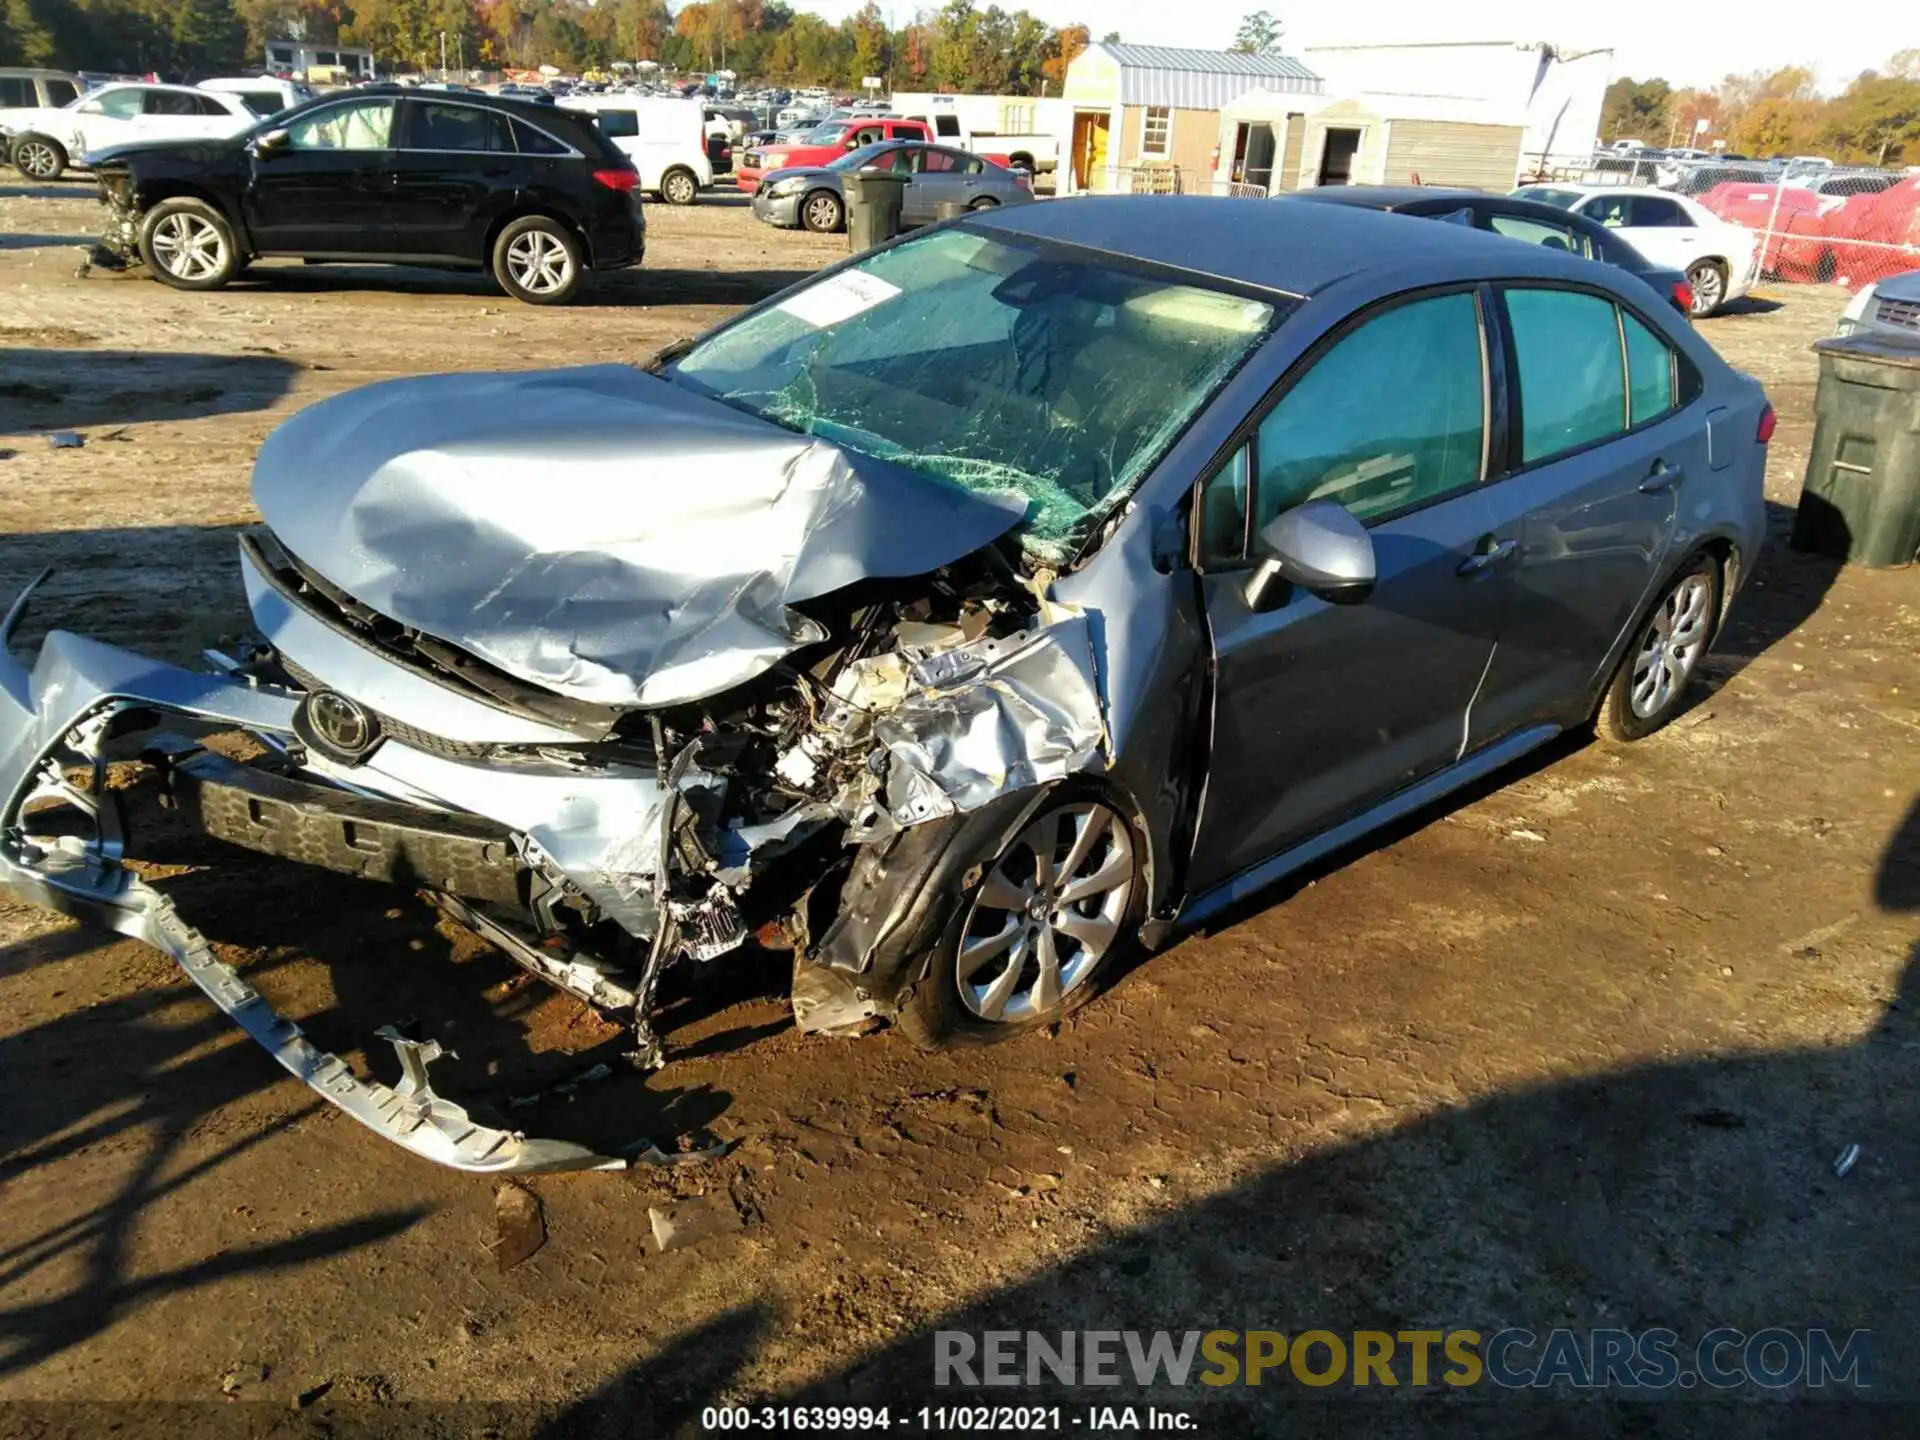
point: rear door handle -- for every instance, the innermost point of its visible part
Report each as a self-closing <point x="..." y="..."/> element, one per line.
<point x="1486" y="559"/>
<point x="1662" y="478"/>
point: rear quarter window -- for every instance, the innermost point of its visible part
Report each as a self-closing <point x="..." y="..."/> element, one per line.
<point x="618" y="124"/>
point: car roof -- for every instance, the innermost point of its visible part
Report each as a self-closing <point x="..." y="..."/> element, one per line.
<point x="1379" y="197"/>
<point x="1299" y="249"/>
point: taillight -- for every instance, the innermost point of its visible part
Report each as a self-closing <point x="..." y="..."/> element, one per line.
<point x="1683" y="296"/>
<point x="1764" y="431"/>
<point x="621" y="180"/>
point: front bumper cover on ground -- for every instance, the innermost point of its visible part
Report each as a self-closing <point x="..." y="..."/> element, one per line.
<point x="58" y="716"/>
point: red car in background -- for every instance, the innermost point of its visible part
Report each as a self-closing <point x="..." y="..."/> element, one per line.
<point x="824" y="143"/>
<point x="1820" y="238"/>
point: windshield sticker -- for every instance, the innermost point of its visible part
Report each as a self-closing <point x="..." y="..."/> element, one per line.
<point x="838" y="297"/>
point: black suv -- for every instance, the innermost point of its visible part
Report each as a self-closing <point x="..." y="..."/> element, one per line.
<point x="535" y="194"/>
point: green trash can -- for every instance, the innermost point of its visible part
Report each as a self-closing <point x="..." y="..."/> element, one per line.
<point x="1860" y="500"/>
<point x="873" y="206"/>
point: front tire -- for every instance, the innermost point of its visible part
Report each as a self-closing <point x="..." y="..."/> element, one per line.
<point x="189" y="245"/>
<point x="1045" y="915"/>
<point x="822" y="212"/>
<point x="38" y="158"/>
<point x="678" y="187"/>
<point x="1649" y="687"/>
<point x="537" y="260"/>
<point x="1709" y="282"/>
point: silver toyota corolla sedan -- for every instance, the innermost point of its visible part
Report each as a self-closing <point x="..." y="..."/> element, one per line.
<point x="982" y="607"/>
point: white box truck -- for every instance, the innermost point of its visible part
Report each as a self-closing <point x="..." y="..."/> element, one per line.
<point x="1029" y="130"/>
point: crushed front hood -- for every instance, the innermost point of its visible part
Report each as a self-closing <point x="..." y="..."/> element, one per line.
<point x="598" y="531"/>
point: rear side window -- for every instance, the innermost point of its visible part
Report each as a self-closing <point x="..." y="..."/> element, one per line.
<point x="16" y="93"/>
<point x="263" y="102"/>
<point x="61" y="92"/>
<point x="1392" y="417"/>
<point x="1572" y="391"/>
<point x="1536" y="232"/>
<point x="533" y="141"/>
<point x="947" y="125"/>
<point x="1650" y="367"/>
<point x="1651" y="212"/>
<point x="458" y="127"/>
<point x="618" y="124"/>
<point x="172" y="102"/>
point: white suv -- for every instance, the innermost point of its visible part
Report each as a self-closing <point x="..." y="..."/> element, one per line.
<point x="47" y="142"/>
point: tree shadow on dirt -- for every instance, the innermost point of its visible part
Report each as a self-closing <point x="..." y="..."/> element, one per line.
<point x="141" y="1070"/>
<point x="32" y="191"/>
<point x="54" y="389"/>
<point x="1689" y="1195"/>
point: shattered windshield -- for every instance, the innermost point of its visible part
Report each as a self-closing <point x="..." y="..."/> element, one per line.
<point x="1009" y="367"/>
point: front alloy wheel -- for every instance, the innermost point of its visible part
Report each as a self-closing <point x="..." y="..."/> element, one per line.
<point x="1048" y="911"/>
<point x="189" y="247"/>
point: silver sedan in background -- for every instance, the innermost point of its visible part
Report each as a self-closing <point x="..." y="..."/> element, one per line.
<point x="811" y="195"/>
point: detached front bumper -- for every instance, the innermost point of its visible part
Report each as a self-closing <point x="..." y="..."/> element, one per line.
<point x="58" y="716"/>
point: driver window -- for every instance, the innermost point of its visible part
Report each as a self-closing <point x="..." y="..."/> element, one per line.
<point x="1392" y="417"/>
<point x="363" y="125"/>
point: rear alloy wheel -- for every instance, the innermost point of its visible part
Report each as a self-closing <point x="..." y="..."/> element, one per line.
<point x="1049" y="910"/>
<point x="678" y="187"/>
<point x="1709" y="282"/>
<point x="38" y="158"/>
<point x="537" y="260"/>
<point x="822" y="212"/>
<point x="1650" y="684"/>
<point x="189" y="245"/>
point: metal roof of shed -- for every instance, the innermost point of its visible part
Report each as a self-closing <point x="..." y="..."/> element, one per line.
<point x="1203" y="79"/>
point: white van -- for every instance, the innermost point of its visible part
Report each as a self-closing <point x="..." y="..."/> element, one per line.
<point x="666" y="140"/>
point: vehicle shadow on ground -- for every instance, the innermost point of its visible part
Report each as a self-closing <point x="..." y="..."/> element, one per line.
<point x="1786" y="588"/>
<point x="1687" y="1195"/>
<point x="1746" y="305"/>
<point x="611" y="288"/>
<point x="52" y="389"/>
<point x="31" y="191"/>
<point x="20" y="240"/>
<point x="146" y="1071"/>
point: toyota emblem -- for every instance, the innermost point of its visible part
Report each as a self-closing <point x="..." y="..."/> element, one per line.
<point x="340" y="727"/>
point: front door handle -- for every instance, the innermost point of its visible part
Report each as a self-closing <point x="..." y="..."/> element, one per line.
<point x="1661" y="479"/>
<point x="1486" y="559"/>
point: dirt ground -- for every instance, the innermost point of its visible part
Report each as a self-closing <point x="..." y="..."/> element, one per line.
<point x="1580" y="1049"/>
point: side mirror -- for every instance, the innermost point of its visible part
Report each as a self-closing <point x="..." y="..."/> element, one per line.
<point x="1318" y="546"/>
<point x="270" y="142"/>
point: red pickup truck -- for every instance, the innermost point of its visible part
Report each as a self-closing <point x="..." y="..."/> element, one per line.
<point x="827" y="142"/>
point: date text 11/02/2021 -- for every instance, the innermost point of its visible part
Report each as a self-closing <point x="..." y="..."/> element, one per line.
<point x="857" y="1419"/>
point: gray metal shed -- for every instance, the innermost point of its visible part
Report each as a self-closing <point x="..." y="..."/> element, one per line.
<point x="1203" y="79"/>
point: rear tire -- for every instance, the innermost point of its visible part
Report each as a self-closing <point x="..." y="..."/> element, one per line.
<point x="679" y="187"/>
<point x="189" y="245"/>
<point x="985" y="202"/>
<point x="823" y="212"/>
<point x="1663" y="656"/>
<point x="1709" y="282"/>
<point x="538" y="261"/>
<point x="38" y="158"/>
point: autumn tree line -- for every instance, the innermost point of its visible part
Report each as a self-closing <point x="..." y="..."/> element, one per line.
<point x="1875" y="120"/>
<point x="958" y="46"/>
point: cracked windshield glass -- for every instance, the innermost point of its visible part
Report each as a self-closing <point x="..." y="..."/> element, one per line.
<point x="1007" y="368"/>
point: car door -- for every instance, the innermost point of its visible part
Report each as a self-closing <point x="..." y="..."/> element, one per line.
<point x="1604" y="444"/>
<point x="322" y="190"/>
<point x="448" y="172"/>
<point x="1323" y="710"/>
<point x="110" y="117"/>
<point x="1654" y="225"/>
<point x="939" y="175"/>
